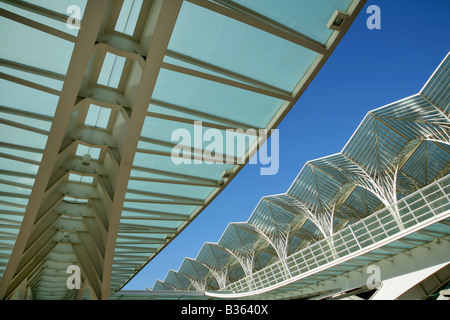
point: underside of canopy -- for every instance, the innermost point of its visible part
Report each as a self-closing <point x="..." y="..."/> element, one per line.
<point x="396" y="150"/>
<point x="92" y="92"/>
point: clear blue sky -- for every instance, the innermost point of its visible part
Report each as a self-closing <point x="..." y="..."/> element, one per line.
<point x="368" y="69"/>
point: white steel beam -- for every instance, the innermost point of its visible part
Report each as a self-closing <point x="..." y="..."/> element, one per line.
<point x="36" y="25"/>
<point x="249" y="17"/>
<point x="84" y="44"/>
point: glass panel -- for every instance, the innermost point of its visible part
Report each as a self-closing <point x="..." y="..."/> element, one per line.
<point x="60" y="6"/>
<point x="18" y="166"/>
<point x="30" y="46"/>
<point x="23" y="137"/>
<point x="439" y="227"/>
<point x="53" y="23"/>
<point x="432" y="192"/>
<point x="362" y="234"/>
<point x="19" y="97"/>
<point x="26" y="181"/>
<point x="214" y="38"/>
<point x="208" y="171"/>
<point x="150" y="223"/>
<point x="14" y="201"/>
<point x="33" y="156"/>
<point x="33" y="123"/>
<point x="214" y="98"/>
<point x="20" y="192"/>
<point x="446" y="188"/>
<point x="171" y="189"/>
<point x="178" y="209"/>
<point x="34" y="78"/>
<point x="421" y="210"/>
<point x="232" y="143"/>
<point x="198" y="68"/>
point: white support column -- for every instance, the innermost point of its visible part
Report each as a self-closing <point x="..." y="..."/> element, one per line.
<point x="199" y="285"/>
<point x="221" y="275"/>
<point x="92" y="21"/>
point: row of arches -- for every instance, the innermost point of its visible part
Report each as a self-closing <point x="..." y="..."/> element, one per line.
<point x="396" y="150"/>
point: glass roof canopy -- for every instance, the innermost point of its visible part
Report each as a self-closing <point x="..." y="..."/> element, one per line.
<point x="396" y="150"/>
<point x="87" y="117"/>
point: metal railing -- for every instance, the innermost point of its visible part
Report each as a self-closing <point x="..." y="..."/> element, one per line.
<point x="381" y="227"/>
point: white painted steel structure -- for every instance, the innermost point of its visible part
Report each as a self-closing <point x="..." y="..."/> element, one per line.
<point x="87" y="115"/>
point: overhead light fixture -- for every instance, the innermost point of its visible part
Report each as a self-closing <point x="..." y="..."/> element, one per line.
<point x="337" y="20"/>
<point x="227" y="173"/>
<point x="86" y="160"/>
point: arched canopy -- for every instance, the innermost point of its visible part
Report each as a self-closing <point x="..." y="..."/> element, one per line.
<point x="177" y="280"/>
<point x="161" y="285"/>
<point x="436" y="89"/>
<point x="193" y="269"/>
<point x="396" y="150"/>
<point x="272" y="217"/>
<point x="241" y="237"/>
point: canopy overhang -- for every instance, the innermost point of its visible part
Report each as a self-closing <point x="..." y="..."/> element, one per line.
<point x="92" y="92"/>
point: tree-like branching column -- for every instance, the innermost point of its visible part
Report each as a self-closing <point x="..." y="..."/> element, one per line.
<point x="221" y="275"/>
<point x="280" y="242"/>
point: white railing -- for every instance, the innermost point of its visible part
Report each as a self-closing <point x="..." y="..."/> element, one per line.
<point x="405" y="215"/>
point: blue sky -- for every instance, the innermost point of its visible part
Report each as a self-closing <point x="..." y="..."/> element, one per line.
<point x="368" y="69"/>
